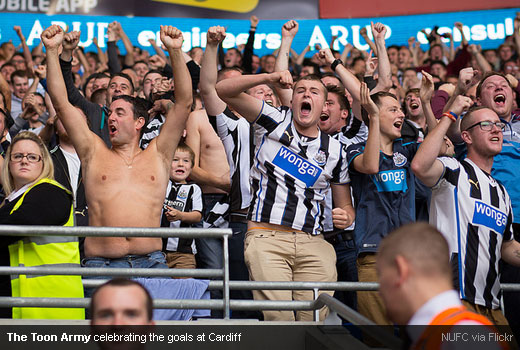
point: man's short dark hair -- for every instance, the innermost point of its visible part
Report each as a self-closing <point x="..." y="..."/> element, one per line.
<point x="228" y="69"/>
<point x="139" y="107"/>
<point x="438" y="62"/>
<point x="342" y="99"/>
<point x="156" y="71"/>
<point x="487" y="75"/>
<point x="124" y="76"/>
<point x="124" y="282"/>
<point x="377" y="98"/>
<point x="99" y="96"/>
<point x="94" y="76"/>
<point x="308" y="63"/>
<point x="20" y="74"/>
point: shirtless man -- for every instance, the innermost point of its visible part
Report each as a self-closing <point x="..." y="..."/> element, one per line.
<point x="124" y="185"/>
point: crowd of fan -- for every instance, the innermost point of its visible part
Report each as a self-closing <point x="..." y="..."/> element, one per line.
<point x="25" y="105"/>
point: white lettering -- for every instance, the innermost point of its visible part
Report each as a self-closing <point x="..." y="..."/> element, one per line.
<point x="496" y="31"/>
<point x="36" y="32"/>
<point x="342" y="34"/>
<point x="62" y="5"/>
<point x="273" y="41"/>
<point x="317" y="38"/>
<point x="229" y="41"/>
<point x="144" y="36"/>
<point x="355" y="39"/>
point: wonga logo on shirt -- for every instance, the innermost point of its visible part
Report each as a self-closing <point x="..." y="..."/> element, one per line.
<point x="490" y="217"/>
<point x="390" y="180"/>
<point x="297" y="166"/>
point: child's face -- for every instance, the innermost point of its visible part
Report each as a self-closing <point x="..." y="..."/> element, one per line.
<point x="181" y="166"/>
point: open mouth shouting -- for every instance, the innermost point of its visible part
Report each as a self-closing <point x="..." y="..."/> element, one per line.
<point x="324" y="117"/>
<point x="112" y="130"/>
<point x="305" y="109"/>
<point x="500" y="99"/>
<point x="398" y="124"/>
<point x="414" y="105"/>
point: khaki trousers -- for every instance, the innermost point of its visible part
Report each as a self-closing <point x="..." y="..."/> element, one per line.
<point x="272" y="255"/>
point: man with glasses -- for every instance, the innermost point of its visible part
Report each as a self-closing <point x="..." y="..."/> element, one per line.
<point x="471" y="208"/>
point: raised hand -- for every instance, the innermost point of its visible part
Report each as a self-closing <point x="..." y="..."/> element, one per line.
<point x="156" y="62"/>
<point x="460" y="104"/>
<point x="171" y="37"/>
<point x="363" y="31"/>
<point x="52" y="37"/>
<point x="18" y="31"/>
<point x="41" y="71"/>
<point x="282" y="79"/>
<point x="378" y="30"/>
<point x="71" y="40"/>
<point x="370" y="64"/>
<point x="427" y="87"/>
<point x="160" y="107"/>
<point x="366" y="101"/>
<point x="290" y="29"/>
<point x="216" y="35"/>
<point x="325" y="56"/>
<point x="254" y="21"/>
<point x="467" y="78"/>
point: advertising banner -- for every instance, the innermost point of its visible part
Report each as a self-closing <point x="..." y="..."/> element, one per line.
<point x="486" y="28"/>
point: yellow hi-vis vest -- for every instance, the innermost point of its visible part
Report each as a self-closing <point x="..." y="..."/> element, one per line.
<point x="46" y="251"/>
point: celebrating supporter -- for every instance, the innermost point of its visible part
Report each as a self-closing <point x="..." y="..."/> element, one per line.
<point x="124" y="176"/>
<point x="470" y="207"/>
<point x="293" y="166"/>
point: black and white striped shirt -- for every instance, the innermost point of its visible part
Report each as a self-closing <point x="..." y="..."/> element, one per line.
<point x="237" y="136"/>
<point x="151" y="131"/>
<point x="291" y="174"/>
<point x="473" y="212"/>
<point x="185" y="198"/>
<point x="354" y="132"/>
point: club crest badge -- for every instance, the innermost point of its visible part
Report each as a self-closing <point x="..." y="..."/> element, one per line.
<point x="399" y="159"/>
<point x="320" y="158"/>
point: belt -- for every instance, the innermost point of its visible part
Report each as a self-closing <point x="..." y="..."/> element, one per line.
<point x="238" y="217"/>
<point x="338" y="236"/>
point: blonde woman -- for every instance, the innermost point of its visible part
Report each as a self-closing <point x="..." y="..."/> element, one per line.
<point x="34" y="198"/>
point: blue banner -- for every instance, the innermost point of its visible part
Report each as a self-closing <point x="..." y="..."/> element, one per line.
<point x="486" y="28"/>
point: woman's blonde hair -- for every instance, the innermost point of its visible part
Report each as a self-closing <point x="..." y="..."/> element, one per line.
<point x="48" y="166"/>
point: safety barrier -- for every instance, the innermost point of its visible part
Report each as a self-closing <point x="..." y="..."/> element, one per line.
<point x="225" y="284"/>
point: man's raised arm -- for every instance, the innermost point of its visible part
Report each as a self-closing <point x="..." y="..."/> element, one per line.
<point x="75" y="124"/>
<point x="208" y="72"/>
<point x="384" y="82"/>
<point x="176" y="116"/>
<point x="289" y="31"/>
<point x="232" y="92"/>
<point x="425" y="164"/>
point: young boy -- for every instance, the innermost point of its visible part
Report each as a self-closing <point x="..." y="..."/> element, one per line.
<point x="182" y="208"/>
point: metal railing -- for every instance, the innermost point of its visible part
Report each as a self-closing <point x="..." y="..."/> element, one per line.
<point x="225" y="284"/>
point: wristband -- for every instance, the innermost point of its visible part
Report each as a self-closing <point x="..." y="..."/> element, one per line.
<point x="450" y="115"/>
<point x="334" y="64"/>
<point x="253" y="27"/>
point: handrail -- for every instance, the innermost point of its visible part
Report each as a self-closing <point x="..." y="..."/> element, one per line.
<point x="94" y="231"/>
<point x="374" y="331"/>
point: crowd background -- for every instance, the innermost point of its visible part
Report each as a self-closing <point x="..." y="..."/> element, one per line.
<point x="26" y="106"/>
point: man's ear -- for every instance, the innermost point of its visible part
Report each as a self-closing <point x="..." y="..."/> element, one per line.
<point x="344" y="114"/>
<point x="466" y="137"/>
<point x="140" y="123"/>
<point x="403" y="268"/>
